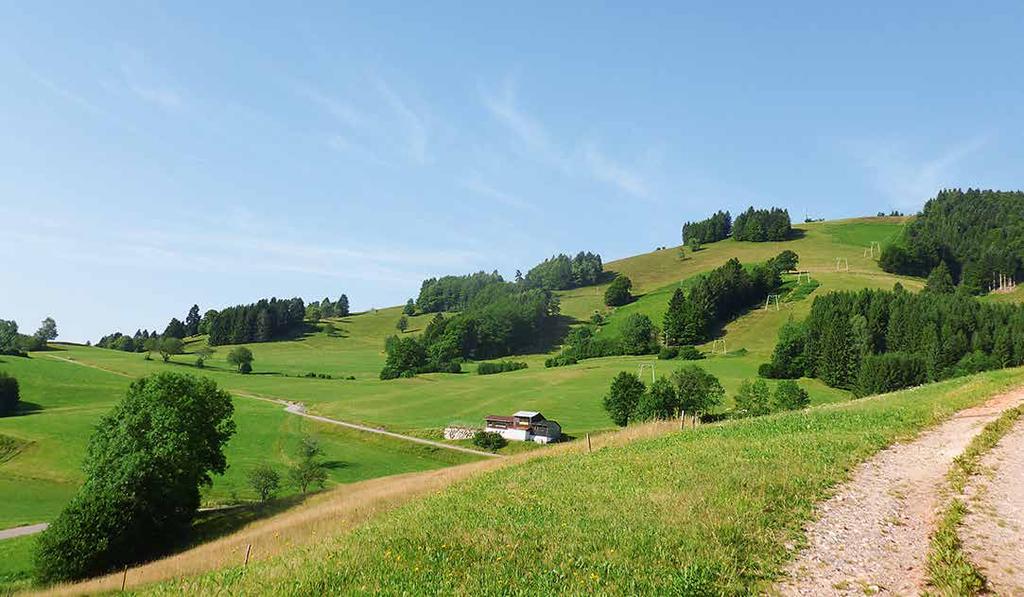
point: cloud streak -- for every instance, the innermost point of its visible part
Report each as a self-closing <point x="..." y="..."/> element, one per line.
<point x="909" y="182"/>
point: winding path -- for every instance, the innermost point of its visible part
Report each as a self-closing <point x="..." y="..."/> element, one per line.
<point x="872" y="536"/>
<point x="298" y="409"/>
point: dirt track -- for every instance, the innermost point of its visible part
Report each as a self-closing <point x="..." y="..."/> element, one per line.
<point x="872" y="536"/>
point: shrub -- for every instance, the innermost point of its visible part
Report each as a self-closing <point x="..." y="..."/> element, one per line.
<point x="499" y="367"/>
<point x="264" y="481"/>
<point x="489" y="440"/>
<point x="881" y="373"/>
<point x="639" y="335"/>
<point x="617" y="293"/>
<point x="560" y="361"/>
<point x="789" y="396"/>
<point x="690" y="353"/>
<point x="9" y="394"/>
<point x="667" y="353"/>
<point x="753" y="399"/>
<point x="245" y="368"/>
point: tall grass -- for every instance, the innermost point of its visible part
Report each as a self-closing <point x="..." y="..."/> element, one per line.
<point x="701" y="511"/>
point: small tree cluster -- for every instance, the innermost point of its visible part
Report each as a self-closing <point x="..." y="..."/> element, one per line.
<point x="241" y="357"/>
<point x="562" y="272"/>
<point x="689" y="389"/>
<point x="716" y="228"/>
<point x="760" y="225"/>
<point x="756" y="399"/>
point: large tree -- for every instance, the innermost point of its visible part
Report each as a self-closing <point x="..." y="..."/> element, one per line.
<point x="9" y="394"/>
<point x="47" y="331"/>
<point x="698" y="391"/>
<point x="192" y="321"/>
<point x="8" y="336"/>
<point x="175" y="329"/>
<point x="342" y="306"/>
<point x="623" y="397"/>
<point x="143" y="470"/>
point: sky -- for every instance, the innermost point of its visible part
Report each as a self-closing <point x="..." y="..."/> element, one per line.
<point x="155" y="155"/>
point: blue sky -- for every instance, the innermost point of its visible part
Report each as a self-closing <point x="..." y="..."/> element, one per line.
<point x="156" y="155"/>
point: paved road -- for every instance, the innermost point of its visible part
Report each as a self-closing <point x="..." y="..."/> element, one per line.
<point x="31" y="529"/>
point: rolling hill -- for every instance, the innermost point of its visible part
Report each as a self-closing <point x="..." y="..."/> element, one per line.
<point x="71" y="386"/>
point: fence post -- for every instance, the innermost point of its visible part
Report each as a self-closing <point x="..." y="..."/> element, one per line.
<point x="247" y="551"/>
<point x="124" y="578"/>
<point x="682" y="420"/>
<point x="589" y="448"/>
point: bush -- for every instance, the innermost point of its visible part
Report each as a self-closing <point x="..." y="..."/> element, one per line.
<point x="881" y="373"/>
<point x="245" y="368"/>
<point x="560" y="361"/>
<point x="667" y="353"/>
<point x="753" y="399"/>
<point x="264" y="481"/>
<point x="690" y="353"/>
<point x="242" y="358"/>
<point x="489" y="441"/>
<point x="9" y="394"/>
<point x="617" y="293"/>
<point x="789" y="396"/>
<point x="499" y="367"/>
<point x="639" y="335"/>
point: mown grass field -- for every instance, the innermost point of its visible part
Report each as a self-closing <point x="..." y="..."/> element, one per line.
<point x="68" y="400"/>
<point x="705" y="511"/>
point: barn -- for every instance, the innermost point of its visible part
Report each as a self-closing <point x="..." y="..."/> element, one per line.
<point x="524" y="426"/>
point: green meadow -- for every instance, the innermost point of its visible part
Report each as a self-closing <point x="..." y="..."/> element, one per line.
<point x="69" y="388"/>
<point x="702" y="511"/>
<point x="66" y="400"/>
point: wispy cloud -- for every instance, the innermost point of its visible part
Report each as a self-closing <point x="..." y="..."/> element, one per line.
<point x="412" y="120"/>
<point x="341" y="110"/>
<point x="476" y="185"/>
<point x="622" y="177"/>
<point x="583" y="160"/>
<point x="908" y="181"/>
<point x="531" y="134"/>
<point x="142" y="80"/>
<point x="65" y="93"/>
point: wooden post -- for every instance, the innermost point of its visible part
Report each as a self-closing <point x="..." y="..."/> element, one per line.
<point x="682" y="420"/>
<point x="589" y="447"/>
<point x="124" y="578"/>
<point x="247" y="551"/>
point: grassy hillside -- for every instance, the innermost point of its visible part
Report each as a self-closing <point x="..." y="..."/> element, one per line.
<point x="570" y="394"/>
<point x="705" y="510"/>
<point x="68" y="399"/>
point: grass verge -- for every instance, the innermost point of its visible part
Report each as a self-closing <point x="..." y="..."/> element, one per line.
<point x="705" y="511"/>
<point x="949" y="570"/>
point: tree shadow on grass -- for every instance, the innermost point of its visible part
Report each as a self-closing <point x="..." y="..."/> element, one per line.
<point x="334" y="465"/>
<point x="213" y="524"/>
<point x="27" y="408"/>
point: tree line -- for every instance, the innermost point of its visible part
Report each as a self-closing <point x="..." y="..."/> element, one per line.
<point x="714" y="298"/>
<point x="717" y="227"/>
<point x="502" y="319"/>
<point x="562" y="272"/>
<point x="977" y="234"/>
<point x="761" y="225"/>
<point x="17" y="344"/>
<point x="692" y="390"/>
<point x="874" y="341"/>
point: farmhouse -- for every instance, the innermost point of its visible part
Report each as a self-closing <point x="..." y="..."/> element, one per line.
<point x="524" y="426"/>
